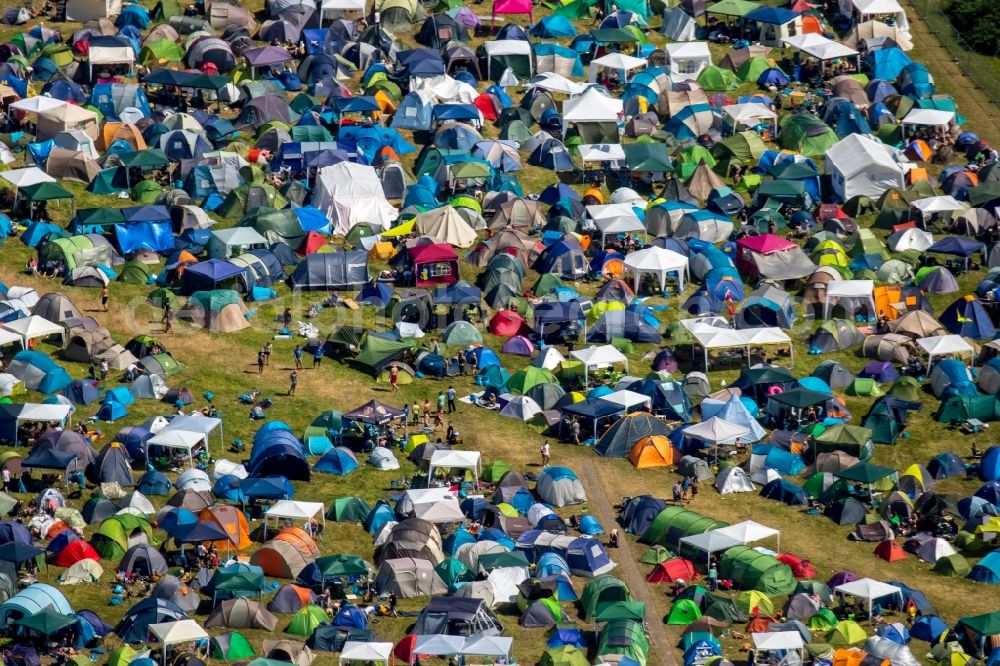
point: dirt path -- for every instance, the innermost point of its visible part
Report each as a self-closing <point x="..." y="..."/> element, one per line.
<point x="597" y="501"/>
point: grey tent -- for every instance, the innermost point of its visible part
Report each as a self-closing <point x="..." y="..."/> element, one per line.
<point x="834" y="373"/>
<point x="452" y="616"/>
<point x="288" y="599"/>
<point x="414" y="538"/>
<point x="172" y="589"/>
<point x="144" y="560"/>
<point x="559" y="486"/>
<point x="408" y="577"/>
<point x="538" y="614"/>
<point x="285" y="650"/>
<point x="55" y="307"/>
<point x="241" y="613"/>
<point x="112" y="465"/>
<point x="331" y="270"/>
<point x="678" y="25"/>
<point x="694" y="467"/>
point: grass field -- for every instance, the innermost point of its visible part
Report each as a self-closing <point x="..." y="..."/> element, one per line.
<point x="225" y="365"/>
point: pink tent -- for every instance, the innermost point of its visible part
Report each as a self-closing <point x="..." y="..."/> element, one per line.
<point x="765" y="243"/>
<point x="511" y="7"/>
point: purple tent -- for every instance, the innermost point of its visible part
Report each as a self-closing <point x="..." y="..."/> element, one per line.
<point x="881" y="371"/>
<point x="841" y="578"/>
<point x="266" y="56"/>
<point x="518" y="346"/>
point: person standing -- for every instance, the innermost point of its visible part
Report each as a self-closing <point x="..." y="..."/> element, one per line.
<point x="293" y="382"/>
<point x="6" y="480"/>
<point x="318" y="356"/>
<point x="394" y="376"/>
<point x="260" y="362"/>
<point x="104" y="370"/>
<point x="105" y="296"/>
<point x="576" y="432"/>
<point x="286" y="316"/>
<point x="168" y="318"/>
<point x="441" y="402"/>
<point x="713" y="576"/>
<point x="545" y="451"/>
<point x="415" y="413"/>
<point x="298" y="357"/>
<point x="451" y="399"/>
<point x="268" y="348"/>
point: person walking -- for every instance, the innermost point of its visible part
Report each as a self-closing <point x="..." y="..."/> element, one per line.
<point x="576" y="432"/>
<point x="268" y="348"/>
<point x="545" y="451"/>
<point x="298" y="357"/>
<point x="105" y="296"/>
<point x="318" y="356"/>
<point x="441" y="402"/>
<point x="293" y="382"/>
<point x="394" y="376"/>
<point x="451" y="400"/>
<point x="260" y="362"/>
<point x="168" y="318"/>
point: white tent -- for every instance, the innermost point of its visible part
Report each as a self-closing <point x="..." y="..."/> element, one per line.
<point x="331" y="9"/>
<point x="867" y="588"/>
<point x="349" y="194"/>
<point x="750" y="531"/>
<point x="910" y="239"/>
<point x="602" y="153"/>
<point x="222" y="242"/>
<point x="874" y="9"/>
<point x="507" y="47"/>
<point x="88" y="10"/>
<point x="821" y="48"/>
<point x="555" y="82"/>
<point x="549" y="357"/>
<point x="658" y="261"/>
<point x="44" y="413"/>
<point x="848" y="289"/>
<point x="778" y="640"/>
<point x="710" y="542"/>
<point x="615" y="218"/>
<point x="181" y="631"/>
<point x="687" y="59"/>
<point x="34" y="327"/>
<point x="928" y="118"/>
<point x="630" y="400"/>
<point x="592" y="106"/>
<point x="939" y="204"/>
<point x="594" y="358"/>
<point x="944" y="345"/>
<point x="295" y="511"/>
<point x="439" y="645"/>
<point x="184" y="440"/>
<point x="109" y="54"/>
<point x="620" y="61"/>
<point x="749" y="115"/>
<point x="861" y="165"/>
<point x="206" y="425"/>
<point x="10" y="338"/>
<point x="376" y="653"/>
<point x="442" y="511"/>
<point x="717" y="333"/>
<point x="451" y="459"/>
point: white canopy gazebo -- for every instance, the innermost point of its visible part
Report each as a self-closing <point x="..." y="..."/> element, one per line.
<point x="595" y="358"/>
<point x="851" y="290"/>
<point x="750" y="531"/>
<point x="870" y="590"/>
<point x="206" y="425"/>
<point x="780" y="641"/>
<point x="294" y="511"/>
<point x="943" y="203"/>
<point x="612" y="218"/>
<point x="822" y="49"/>
<point x="710" y="542"/>
<point x="442" y="645"/>
<point x="175" y="633"/>
<point x="717" y="333"/>
<point x="34" y="327"/>
<point x="659" y="262"/>
<point x="620" y="61"/>
<point x="630" y="400"/>
<point x="602" y="153"/>
<point x="375" y="653"/>
<point x="183" y="440"/>
<point x="944" y="345"/>
<point x="716" y="431"/>
<point x="451" y="459"/>
<point x="928" y="118"/>
<point x="19" y="178"/>
<point x="36" y="412"/>
<point x="555" y="82"/>
<point x="592" y="106"/>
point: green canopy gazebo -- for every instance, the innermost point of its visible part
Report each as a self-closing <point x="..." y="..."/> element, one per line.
<point x="44" y="192"/>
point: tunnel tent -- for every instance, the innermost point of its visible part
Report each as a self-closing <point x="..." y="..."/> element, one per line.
<point x="752" y="570"/>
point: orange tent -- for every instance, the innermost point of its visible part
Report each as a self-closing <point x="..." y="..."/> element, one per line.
<point x="811" y="25"/>
<point x="854" y="657"/>
<point x="127" y="132"/>
<point x="916" y="174"/>
<point x="280" y="559"/>
<point x="890" y="551"/>
<point x="300" y="540"/>
<point x="233" y="522"/>
<point x="653" y="451"/>
<point x="885" y="296"/>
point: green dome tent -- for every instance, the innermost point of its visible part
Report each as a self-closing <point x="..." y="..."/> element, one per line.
<point x="715" y="78"/>
<point x="134" y="272"/>
<point x="684" y="611"/>
<point x="231" y="646"/>
<point x="752" y="570"/>
<point x="751" y="70"/>
<point x="565" y="655"/>
<point x="602" y="591"/>
<point x="807" y="134"/>
<point x="462" y="334"/>
<point x="349" y="510"/>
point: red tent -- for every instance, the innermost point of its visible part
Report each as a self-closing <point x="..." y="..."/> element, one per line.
<point x="433" y="264"/>
<point x="74" y="552"/>
<point x="487" y="106"/>
<point x="671" y="570"/>
<point x="511" y="7"/>
<point x="890" y="551"/>
<point x="507" y="323"/>
<point x="311" y="243"/>
<point x="800" y="568"/>
<point x="404" y="649"/>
